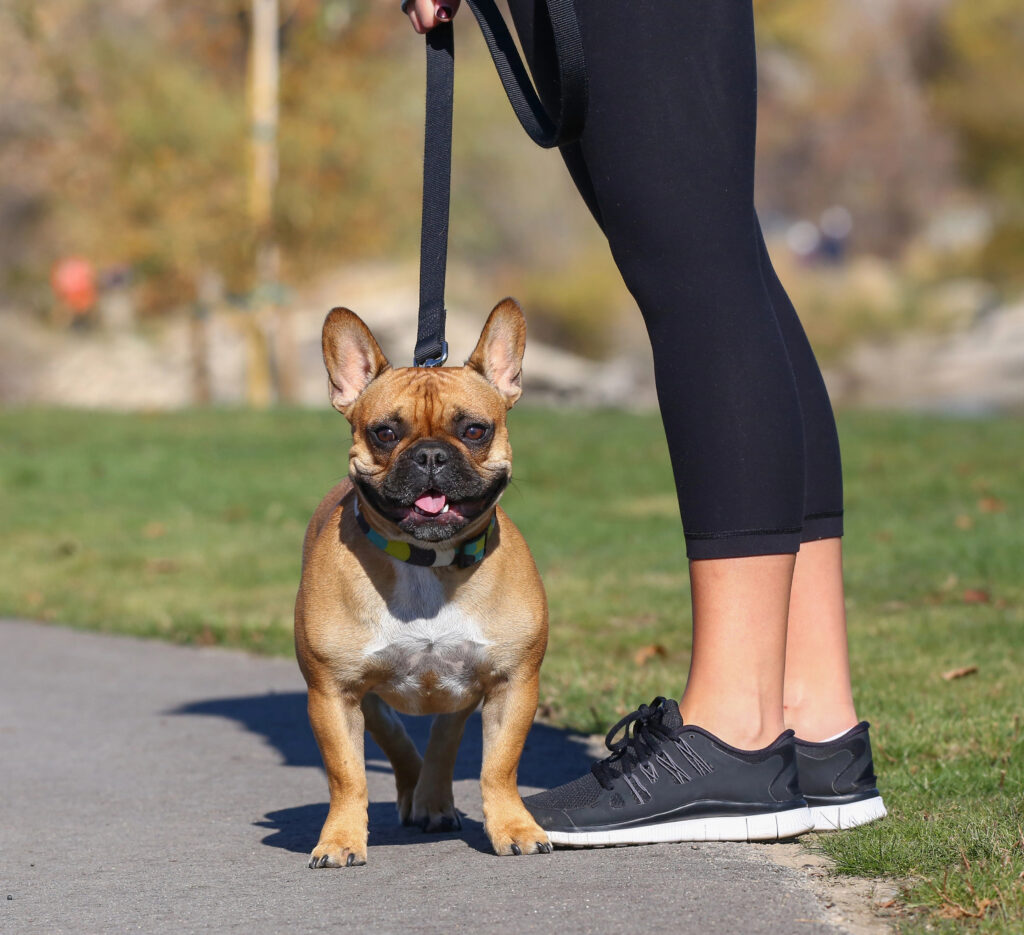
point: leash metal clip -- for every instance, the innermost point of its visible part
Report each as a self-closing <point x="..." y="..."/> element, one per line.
<point x="435" y="361"/>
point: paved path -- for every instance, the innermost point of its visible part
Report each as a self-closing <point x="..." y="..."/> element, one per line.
<point x="153" y="788"/>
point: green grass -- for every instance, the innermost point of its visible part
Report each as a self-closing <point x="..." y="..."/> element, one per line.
<point x="188" y="527"/>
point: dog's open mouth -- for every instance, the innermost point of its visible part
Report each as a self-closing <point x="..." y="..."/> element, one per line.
<point x="435" y="507"/>
<point x="434" y="515"/>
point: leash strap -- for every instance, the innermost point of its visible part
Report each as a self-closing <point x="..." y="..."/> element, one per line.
<point x="546" y="131"/>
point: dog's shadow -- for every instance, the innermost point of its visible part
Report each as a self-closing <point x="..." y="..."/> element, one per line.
<point x="551" y="756"/>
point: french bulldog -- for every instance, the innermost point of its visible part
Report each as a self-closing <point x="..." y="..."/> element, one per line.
<point x="418" y="593"/>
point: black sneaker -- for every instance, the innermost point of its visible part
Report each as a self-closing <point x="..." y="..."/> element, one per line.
<point x="837" y="778"/>
<point x="666" y="781"/>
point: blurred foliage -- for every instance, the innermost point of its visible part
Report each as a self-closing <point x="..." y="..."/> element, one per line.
<point x="124" y="137"/>
<point x="979" y="90"/>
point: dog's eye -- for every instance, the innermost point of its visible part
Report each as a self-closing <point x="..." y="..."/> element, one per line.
<point x="386" y="434"/>
<point x="474" y="433"/>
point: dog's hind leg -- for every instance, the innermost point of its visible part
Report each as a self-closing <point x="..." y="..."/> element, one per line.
<point x="433" y="806"/>
<point x="388" y="731"/>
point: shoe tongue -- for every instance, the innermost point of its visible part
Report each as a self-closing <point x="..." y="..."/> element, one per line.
<point x="670" y="716"/>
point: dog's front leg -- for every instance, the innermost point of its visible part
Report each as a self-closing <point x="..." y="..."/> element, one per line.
<point x="507" y="715"/>
<point x="337" y="721"/>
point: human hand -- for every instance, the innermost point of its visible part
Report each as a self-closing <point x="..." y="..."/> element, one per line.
<point x="426" y="14"/>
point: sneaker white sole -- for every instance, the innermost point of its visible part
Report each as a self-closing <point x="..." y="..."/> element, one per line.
<point x="769" y="827"/>
<point x="850" y="815"/>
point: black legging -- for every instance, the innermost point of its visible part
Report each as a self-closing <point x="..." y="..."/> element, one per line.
<point x="666" y="166"/>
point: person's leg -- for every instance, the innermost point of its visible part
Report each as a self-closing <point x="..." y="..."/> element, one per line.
<point x="734" y="688"/>
<point x="666" y="167"/>
<point x="818" y="700"/>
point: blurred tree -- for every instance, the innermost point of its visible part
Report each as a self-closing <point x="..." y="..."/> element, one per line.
<point x="844" y="115"/>
<point x="978" y="82"/>
<point x="123" y="136"/>
<point x="135" y="115"/>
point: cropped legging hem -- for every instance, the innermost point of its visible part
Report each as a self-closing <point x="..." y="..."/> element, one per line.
<point x="745" y="543"/>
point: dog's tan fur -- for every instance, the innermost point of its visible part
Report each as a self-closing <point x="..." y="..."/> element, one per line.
<point x="354" y="598"/>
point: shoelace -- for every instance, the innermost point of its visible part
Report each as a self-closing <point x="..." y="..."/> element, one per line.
<point x="634" y="746"/>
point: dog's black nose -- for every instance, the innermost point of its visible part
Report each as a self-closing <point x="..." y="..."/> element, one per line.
<point x="430" y="456"/>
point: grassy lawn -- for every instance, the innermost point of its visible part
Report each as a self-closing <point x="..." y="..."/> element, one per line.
<point x="189" y="526"/>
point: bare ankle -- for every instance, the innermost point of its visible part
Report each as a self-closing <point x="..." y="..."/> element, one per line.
<point x="748" y="732"/>
<point x="819" y="722"/>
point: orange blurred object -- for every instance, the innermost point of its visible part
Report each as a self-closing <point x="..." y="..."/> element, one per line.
<point x="74" y="282"/>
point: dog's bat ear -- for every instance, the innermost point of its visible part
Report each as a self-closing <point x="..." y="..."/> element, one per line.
<point x="353" y="358"/>
<point x="499" y="352"/>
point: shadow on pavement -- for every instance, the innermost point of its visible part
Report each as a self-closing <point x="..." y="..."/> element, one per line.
<point x="551" y="756"/>
<point x="296" y="829"/>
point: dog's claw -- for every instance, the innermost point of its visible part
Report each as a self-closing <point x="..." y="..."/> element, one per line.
<point x="543" y="848"/>
<point x="517" y="850"/>
<point x="436" y="825"/>
<point x="345" y="858"/>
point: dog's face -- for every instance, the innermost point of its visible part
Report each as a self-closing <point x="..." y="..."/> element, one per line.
<point x="430" y="455"/>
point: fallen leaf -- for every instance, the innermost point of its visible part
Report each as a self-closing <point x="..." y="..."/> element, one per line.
<point x="162" y="566"/>
<point x="154" y="530"/>
<point x="206" y="636"/>
<point x="954" y="910"/>
<point x="976" y="596"/>
<point x="646" y="653"/>
<point x="992" y="505"/>
<point x="963" y="521"/>
<point x="959" y="673"/>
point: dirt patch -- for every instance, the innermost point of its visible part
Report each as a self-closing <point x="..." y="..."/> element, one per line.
<point x="855" y="905"/>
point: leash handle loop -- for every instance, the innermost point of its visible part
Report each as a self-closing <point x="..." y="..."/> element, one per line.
<point x="546" y="131"/>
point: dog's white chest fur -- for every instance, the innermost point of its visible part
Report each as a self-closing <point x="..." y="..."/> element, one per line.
<point x="432" y="653"/>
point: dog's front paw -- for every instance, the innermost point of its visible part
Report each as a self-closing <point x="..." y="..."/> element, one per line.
<point x="336" y="854"/>
<point x="433" y="813"/>
<point x="522" y="836"/>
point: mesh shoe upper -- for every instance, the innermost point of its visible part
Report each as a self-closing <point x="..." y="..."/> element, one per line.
<point x="663" y="770"/>
<point x="580" y="793"/>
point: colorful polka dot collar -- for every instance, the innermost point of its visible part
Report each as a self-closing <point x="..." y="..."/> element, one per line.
<point x="465" y="555"/>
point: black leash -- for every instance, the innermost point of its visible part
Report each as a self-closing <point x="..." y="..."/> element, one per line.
<point x="547" y="131"/>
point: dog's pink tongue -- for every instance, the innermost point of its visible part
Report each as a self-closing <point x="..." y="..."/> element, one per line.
<point x="431" y="502"/>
